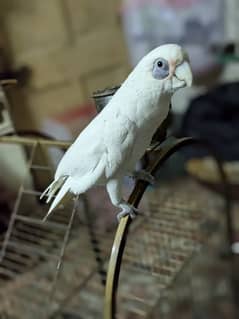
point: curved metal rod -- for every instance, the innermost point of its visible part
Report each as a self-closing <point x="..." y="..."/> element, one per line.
<point x="167" y="149"/>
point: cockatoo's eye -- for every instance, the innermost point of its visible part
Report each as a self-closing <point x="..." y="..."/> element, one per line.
<point x="160" y="69"/>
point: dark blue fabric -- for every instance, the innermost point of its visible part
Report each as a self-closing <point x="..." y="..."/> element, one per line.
<point x="214" y="117"/>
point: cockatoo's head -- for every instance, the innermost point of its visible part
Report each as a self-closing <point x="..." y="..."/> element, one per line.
<point x="166" y="67"/>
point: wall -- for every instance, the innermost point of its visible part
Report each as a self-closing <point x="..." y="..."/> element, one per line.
<point x="73" y="48"/>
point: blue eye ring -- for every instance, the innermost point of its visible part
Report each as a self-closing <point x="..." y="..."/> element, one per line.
<point x="160" y="69"/>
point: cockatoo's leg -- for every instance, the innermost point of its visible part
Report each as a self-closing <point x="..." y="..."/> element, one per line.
<point x="114" y="189"/>
<point x="143" y="175"/>
<point x="127" y="209"/>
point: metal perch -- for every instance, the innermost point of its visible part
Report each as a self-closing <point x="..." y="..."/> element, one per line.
<point x="167" y="149"/>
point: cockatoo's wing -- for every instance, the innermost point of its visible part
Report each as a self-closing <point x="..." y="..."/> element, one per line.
<point x="119" y="138"/>
<point x="81" y="166"/>
<point x="100" y="152"/>
<point x="74" y="185"/>
<point x="85" y="153"/>
<point x="110" y="136"/>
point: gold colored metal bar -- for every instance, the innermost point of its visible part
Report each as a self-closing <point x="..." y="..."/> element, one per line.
<point x="113" y="268"/>
<point x="169" y="147"/>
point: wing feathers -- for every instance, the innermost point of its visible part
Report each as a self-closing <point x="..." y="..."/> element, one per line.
<point x="62" y="194"/>
<point x="70" y="186"/>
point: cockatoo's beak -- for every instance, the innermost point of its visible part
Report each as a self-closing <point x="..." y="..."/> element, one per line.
<point x="183" y="72"/>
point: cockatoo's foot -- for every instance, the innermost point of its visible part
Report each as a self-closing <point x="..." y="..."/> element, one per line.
<point x="144" y="175"/>
<point x="127" y="209"/>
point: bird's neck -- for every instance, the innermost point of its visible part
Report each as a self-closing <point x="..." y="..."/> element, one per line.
<point x="147" y="108"/>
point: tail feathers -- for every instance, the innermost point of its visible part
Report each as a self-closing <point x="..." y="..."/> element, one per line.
<point x="46" y="191"/>
<point x="64" y="185"/>
<point x="51" y="190"/>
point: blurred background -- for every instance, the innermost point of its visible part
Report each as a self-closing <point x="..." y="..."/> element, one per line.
<point x="62" y="51"/>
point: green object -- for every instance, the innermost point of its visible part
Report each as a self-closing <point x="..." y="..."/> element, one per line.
<point x="228" y="58"/>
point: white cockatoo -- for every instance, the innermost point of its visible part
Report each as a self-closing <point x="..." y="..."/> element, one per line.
<point x="110" y="146"/>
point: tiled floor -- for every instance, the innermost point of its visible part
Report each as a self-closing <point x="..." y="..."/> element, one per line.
<point x="171" y="268"/>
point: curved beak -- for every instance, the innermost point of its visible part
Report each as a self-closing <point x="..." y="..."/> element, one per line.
<point x="183" y="72"/>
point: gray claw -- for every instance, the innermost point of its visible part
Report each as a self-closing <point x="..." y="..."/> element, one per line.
<point x="127" y="209"/>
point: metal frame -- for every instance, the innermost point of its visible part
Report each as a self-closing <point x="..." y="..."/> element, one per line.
<point x="167" y="148"/>
<point x="38" y="141"/>
<point x="45" y="141"/>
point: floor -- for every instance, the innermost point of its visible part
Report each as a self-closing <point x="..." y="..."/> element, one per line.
<point x="174" y="264"/>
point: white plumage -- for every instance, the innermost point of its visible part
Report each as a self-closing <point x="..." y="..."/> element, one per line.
<point x="109" y="147"/>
